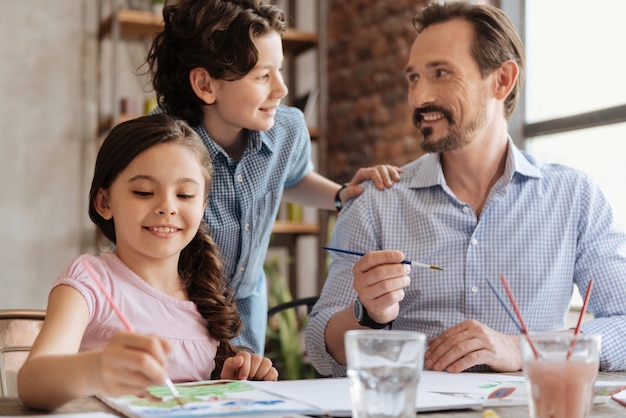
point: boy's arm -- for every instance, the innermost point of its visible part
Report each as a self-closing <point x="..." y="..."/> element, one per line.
<point x="317" y="191"/>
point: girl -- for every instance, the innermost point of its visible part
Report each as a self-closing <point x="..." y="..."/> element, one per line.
<point x="217" y="65"/>
<point x="149" y="190"/>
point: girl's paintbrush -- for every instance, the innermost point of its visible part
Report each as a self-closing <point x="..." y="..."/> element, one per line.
<point x="570" y="351"/>
<point x="412" y="263"/>
<point x="125" y="321"/>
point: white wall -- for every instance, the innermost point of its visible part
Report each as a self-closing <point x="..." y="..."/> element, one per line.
<point x="48" y="85"/>
<point x="47" y="55"/>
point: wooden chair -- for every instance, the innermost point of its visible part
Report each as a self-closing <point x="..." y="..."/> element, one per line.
<point x="18" y="330"/>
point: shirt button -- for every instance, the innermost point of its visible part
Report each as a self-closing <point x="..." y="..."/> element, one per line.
<point x="246" y="227"/>
<point x="474" y="241"/>
<point x="239" y="178"/>
<point x="474" y="289"/>
<point x="465" y="209"/>
<point x="242" y="269"/>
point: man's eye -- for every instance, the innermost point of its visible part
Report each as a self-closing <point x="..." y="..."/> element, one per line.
<point x="186" y="196"/>
<point x="440" y="72"/>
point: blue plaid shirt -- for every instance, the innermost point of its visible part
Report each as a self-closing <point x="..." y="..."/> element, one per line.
<point x="243" y="204"/>
<point x="544" y="226"/>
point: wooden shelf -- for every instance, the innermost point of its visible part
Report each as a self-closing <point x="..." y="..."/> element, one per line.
<point x="297" y="41"/>
<point x="106" y="124"/>
<point x="140" y="23"/>
<point x="295" y="228"/>
<point x="132" y="23"/>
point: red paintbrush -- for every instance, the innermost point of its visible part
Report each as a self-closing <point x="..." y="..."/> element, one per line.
<point x="570" y="351"/>
<point x="519" y="315"/>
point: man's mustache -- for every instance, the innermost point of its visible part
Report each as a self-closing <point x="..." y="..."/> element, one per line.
<point x="417" y="114"/>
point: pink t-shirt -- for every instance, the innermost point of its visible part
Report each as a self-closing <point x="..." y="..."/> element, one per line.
<point x="149" y="311"/>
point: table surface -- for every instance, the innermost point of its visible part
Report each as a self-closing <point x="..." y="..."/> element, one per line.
<point x="12" y="406"/>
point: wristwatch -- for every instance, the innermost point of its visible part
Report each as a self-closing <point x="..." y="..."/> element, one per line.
<point x="360" y="313"/>
<point x="338" y="204"/>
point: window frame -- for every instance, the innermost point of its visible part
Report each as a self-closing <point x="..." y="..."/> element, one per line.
<point x="521" y="130"/>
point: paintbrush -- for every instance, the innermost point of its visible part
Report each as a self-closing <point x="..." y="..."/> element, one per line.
<point x="570" y="351"/>
<point x="126" y="323"/>
<point x="521" y="325"/>
<point x="411" y="263"/>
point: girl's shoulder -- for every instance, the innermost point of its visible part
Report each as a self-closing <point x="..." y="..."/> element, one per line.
<point x="76" y="275"/>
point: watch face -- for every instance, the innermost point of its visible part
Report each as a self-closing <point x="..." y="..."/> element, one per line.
<point x="358" y="310"/>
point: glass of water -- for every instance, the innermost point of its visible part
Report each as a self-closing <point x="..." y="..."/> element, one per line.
<point x="384" y="367"/>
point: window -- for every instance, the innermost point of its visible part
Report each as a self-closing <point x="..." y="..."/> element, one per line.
<point x="575" y="96"/>
<point x="573" y="110"/>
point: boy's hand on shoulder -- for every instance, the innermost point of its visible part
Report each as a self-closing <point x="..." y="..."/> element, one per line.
<point x="248" y="366"/>
<point x="131" y="362"/>
<point x="383" y="176"/>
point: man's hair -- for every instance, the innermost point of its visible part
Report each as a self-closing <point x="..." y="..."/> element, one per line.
<point x="495" y="38"/>
<point x="217" y="35"/>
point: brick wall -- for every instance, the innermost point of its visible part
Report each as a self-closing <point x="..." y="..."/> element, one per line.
<point x="369" y="118"/>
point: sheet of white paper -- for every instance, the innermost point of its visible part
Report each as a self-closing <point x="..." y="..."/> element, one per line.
<point x="467" y="383"/>
<point x="333" y="395"/>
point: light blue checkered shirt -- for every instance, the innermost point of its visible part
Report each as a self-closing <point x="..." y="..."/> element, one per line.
<point x="243" y="204"/>
<point x="544" y="226"/>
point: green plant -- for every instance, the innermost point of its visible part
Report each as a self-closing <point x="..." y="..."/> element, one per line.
<point x="282" y="341"/>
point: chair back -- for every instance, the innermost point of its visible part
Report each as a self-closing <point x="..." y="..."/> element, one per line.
<point x="18" y="330"/>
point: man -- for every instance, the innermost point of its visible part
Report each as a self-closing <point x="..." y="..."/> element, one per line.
<point x="478" y="207"/>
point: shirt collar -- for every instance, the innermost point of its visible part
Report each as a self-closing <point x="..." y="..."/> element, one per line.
<point x="430" y="173"/>
<point x="256" y="140"/>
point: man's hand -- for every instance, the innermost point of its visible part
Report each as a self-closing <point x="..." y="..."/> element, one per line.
<point x="379" y="280"/>
<point x="472" y="343"/>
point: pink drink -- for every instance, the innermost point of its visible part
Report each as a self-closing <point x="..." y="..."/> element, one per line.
<point x="560" y="389"/>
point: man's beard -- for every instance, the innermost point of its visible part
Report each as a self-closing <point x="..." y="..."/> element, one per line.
<point x="456" y="138"/>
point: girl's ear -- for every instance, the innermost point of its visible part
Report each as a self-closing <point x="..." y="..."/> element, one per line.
<point x="203" y="85"/>
<point x="102" y="204"/>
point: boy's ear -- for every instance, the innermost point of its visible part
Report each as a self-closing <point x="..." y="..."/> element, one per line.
<point x="102" y="204"/>
<point x="202" y="84"/>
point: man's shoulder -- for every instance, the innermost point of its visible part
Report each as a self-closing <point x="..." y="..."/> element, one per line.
<point x="558" y="172"/>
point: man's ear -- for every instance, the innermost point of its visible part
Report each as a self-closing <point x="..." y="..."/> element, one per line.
<point x="102" y="204"/>
<point x="203" y="85"/>
<point x="506" y="76"/>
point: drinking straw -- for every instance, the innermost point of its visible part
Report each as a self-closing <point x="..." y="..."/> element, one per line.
<point x="125" y="321"/>
<point x="570" y="351"/>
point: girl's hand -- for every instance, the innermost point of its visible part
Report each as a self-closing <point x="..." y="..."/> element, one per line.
<point x="247" y="366"/>
<point x="130" y="363"/>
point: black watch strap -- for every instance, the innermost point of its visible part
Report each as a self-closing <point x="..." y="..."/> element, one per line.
<point x="363" y="318"/>
<point x="338" y="205"/>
